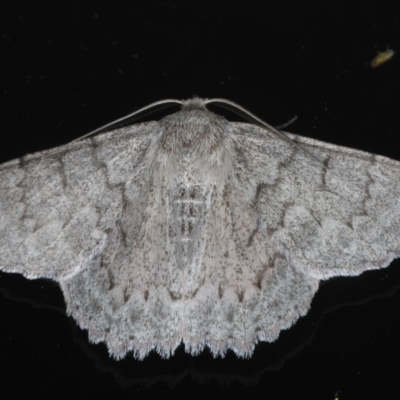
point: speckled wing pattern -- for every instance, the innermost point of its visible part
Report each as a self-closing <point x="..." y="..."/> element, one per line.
<point x="194" y="229"/>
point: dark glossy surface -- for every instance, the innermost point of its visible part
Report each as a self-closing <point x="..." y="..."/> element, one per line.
<point x="71" y="68"/>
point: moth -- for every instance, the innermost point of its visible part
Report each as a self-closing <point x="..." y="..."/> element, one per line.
<point x="382" y="57"/>
<point x="196" y="230"/>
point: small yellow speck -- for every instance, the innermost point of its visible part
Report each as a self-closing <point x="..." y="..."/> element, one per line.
<point x="382" y="57"/>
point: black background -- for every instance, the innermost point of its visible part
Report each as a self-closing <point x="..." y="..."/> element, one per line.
<point x="71" y="67"/>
